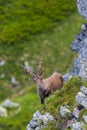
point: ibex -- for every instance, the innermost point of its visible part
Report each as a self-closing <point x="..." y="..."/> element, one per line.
<point x="45" y="86"/>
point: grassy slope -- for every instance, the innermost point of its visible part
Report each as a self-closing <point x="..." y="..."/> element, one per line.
<point x="29" y="104"/>
<point x="19" y="20"/>
<point x="57" y="43"/>
<point x="54" y="46"/>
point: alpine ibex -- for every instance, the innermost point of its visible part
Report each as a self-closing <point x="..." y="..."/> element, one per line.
<point x="45" y="86"/>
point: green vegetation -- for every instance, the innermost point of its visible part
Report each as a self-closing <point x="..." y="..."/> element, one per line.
<point x="20" y="19"/>
<point x="66" y="96"/>
<point x="29" y="104"/>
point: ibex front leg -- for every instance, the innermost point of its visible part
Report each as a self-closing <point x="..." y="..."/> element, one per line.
<point x="41" y="94"/>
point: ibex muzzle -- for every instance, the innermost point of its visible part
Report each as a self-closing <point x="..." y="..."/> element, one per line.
<point x="45" y="86"/>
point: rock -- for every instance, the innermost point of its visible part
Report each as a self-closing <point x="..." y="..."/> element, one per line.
<point x="81" y="99"/>
<point x="39" y="121"/>
<point x="49" y="116"/>
<point x="37" y="114"/>
<point x="37" y="128"/>
<point x="3" y="112"/>
<point x="77" y="126"/>
<point x="14" y="82"/>
<point x="84" y="27"/>
<point x="33" y="124"/>
<point x="79" y="45"/>
<point x="2" y="62"/>
<point x="82" y="7"/>
<point x="45" y="119"/>
<point x="76" y="112"/>
<point x="29" y="128"/>
<point x="64" y="111"/>
<point x="83" y="89"/>
<point x="85" y="118"/>
<point x="67" y="77"/>
<point x="9" y="104"/>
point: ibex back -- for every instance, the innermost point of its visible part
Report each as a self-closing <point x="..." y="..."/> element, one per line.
<point x="45" y="86"/>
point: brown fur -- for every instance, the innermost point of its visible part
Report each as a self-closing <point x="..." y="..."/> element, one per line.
<point x="46" y="86"/>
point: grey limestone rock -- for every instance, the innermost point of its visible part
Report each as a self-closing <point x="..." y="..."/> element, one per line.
<point x="37" y="118"/>
<point x="29" y="128"/>
<point x="77" y="126"/>
<point x="85" y="118"/>
<point x="67" y="77"/>
<point x="81" y="99"/>
<point x="76" y="112"/>
<point x="33" y="124"/>
<point x="49" y="116"/>
<point x="37" y="128"/>
<point x="37" y="114"/>
<point x="82" y="7"/>
<point x="45" y="119"/>
<point x="80" y="63"/>
<point x="80" y="45"/>
<point x="64" y="111"/>
<point x="9" y="104"/>
<point x="83" y="89"/>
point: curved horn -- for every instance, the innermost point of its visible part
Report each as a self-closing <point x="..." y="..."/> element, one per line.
<point x="40" y="72"/>
<point x="29" y="71"/>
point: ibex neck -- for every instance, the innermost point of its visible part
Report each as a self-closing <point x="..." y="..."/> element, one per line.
<point x="39" y="87"/>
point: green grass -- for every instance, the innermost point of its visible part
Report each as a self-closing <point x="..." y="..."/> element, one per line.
<point x="19" y="20"/>
<point x="29" y="103"/>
